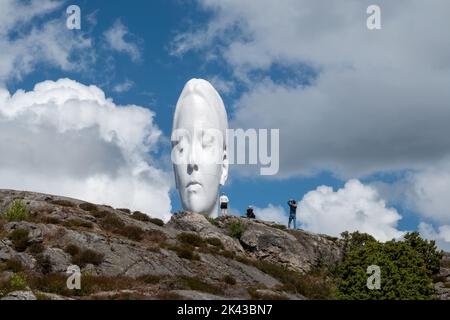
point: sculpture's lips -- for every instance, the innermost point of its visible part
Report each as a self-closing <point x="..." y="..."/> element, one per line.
<point x="193" y="183"/>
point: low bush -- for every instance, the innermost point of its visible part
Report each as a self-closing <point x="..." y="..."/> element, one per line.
<point x="279" y="226"/>
<point x="78" y="223"/>
<point x="236" y="229"/>
<point x="82" y="257"/>
<point x="50" y="220"/>
<point x="113" y="224"/>
<point x="131" y="232"/>
<point x="63" y="203"/>
<point x="155" y="236"/>
<point x="228" y="279"/>
<point x="87" y="256"/>
<point x="86" y="206"/>
<point x="137" y="215"/>
<point x="213" y="221"/>
<point x="20" y="239"/>
<point x="72" y="249"/>
<point x="13" y="265"/>
<point x="44" y="263"/>
<point x="157" y="221"/>
<point x="185" y="251"/>
<point x="36" y="248"/>
<point x="215" y="242"/>
<point x="194" y="283"/>
<point x="191" y="239"/>
<point x="17" y="211"/>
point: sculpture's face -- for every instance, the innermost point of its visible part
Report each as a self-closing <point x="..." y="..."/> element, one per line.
<point x="198" y="153"/>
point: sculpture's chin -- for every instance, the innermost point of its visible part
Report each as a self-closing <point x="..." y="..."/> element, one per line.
<point x="198" y="205"/>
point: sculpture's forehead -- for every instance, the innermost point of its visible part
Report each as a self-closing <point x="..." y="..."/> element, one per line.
<point x="195" y="111"/>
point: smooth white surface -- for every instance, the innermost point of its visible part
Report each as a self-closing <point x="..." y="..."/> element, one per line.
<point x="199" y="152"/>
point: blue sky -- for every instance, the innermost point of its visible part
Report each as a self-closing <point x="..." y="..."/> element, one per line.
<point x="324" y="80"/>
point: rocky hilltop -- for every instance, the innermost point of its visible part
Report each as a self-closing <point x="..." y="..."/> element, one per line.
<point x="129" y="255"/>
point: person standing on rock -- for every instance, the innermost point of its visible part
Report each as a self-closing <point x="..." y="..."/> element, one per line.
<point x="223" y="204"/>
<point x="292" y="213"/>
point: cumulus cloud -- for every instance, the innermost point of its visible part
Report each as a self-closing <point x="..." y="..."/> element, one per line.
<point x="427" y="192"/>
<point x="222" y="85"/>
<point x="24" y="42"/>
<point x="120" y="39"/>
<point x="441" y="236"/>
<point x="369" y="103"/>
<point x="355" y="207"/>
<point x="271" y="213"/>
<point x="69" y="139"/>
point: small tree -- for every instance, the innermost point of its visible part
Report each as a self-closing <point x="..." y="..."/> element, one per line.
<point x="406" y="268"/>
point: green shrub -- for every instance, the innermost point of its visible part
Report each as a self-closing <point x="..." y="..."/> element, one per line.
<point x="151" y="279"/>
<point x="279" y="226"/>
<point x="63" y="203"/>
<point x="15" y="283"/>
<point x="213" y="221"/>
<point x="228" y="279"/>
<point x="36" y="248"/>
<point x="157" y="221"/>
<point x="191" y="239"/>
<point x="101" y="214"/>
<point x="50" y="220"/>
<point x="215" y="242"/>
<point x="86" y="206"/>
<point x="72" y="249"/>
<point x="44" y="263"/>
<point x="228" y="254"/>
<point x="56" y="283"/>
<point x="185" y="251"/>
<point x="20" y="239"/>
<point x="236" y="229"/>
<point x="194" y="283"/>
<point x="17" y="211"/>
<point x="137" y="215"/>
<point x="18" y="282"/>
<point x="406" y="268"/>
<point x="13" y="265"/>
<point x="87" y="256"/>
<point x="111" y="223"/>
<point x="167" y="295"/>
<point x="78" y="223"/>
<point x="132" y="232"/>
<point x="155" y="236"/>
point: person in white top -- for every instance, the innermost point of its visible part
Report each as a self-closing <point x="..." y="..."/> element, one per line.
<point x="223" y="204"/>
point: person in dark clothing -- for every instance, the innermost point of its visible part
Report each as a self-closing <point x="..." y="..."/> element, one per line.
<point x="250" y="213"/>
<point x="292" y="212"/>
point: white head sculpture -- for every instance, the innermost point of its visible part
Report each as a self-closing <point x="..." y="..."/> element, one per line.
<point x="199" y="146"/>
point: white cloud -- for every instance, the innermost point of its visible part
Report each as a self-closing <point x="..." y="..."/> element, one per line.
<point x="271" y="213"/>
<point x="441" y="236"/>
<point x="24" y="42"/>
<point x="120" y="39"/>
<point x="376" y="104"/>
<point x="69" y="139"/>
<point x="424" y="192"/>
<point x="354" y="207"/>
<point x="221" y="85"/>
<point x="427" y="192"/>
<point x="124" y="86"/>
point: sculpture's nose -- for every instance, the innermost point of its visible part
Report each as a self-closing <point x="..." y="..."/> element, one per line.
<point x="192" y="160"/>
